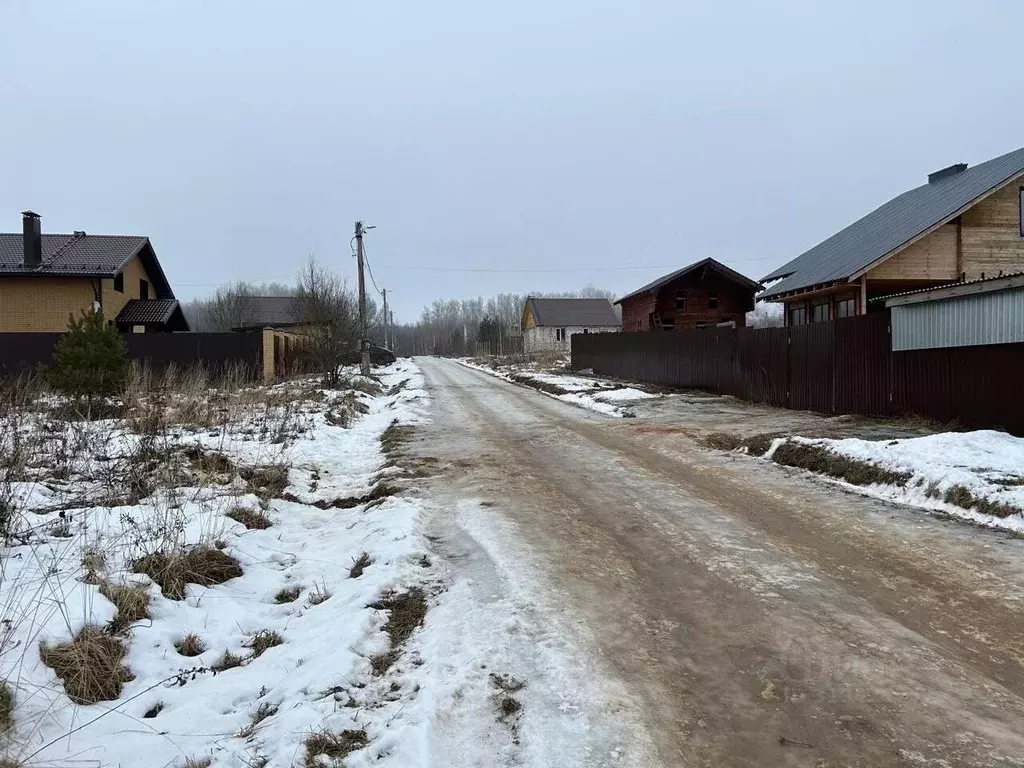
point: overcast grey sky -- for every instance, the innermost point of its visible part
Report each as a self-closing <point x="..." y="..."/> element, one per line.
<point x="579" y="134"/>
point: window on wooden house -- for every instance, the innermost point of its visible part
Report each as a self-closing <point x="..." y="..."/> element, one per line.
<point x="639" y="325"/>
<point x="846" y="307"/>
<point x="143" y="289"/>
<point x="700" y="326"/>
<point x="119" y="282"/>
<point x="798" y="315"/>
<point x="712" y="300"/>
<point x="680" y="299"/>
<point x="819" y="312"/>
<point x="668" y="323"/>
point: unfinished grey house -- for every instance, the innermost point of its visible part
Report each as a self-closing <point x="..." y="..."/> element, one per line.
<point x="548" y="324"/>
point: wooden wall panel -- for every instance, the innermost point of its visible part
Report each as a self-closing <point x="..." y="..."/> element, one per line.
<point x="991" y="235"/>
<point x="930" y="258"/>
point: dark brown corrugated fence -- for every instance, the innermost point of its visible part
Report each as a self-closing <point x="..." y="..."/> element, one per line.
<point x="843" y="366"/>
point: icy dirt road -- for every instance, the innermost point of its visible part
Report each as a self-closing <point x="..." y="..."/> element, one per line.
<point x="741" y="614"/>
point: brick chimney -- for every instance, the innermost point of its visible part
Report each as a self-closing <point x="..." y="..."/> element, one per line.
<point x="32" y="238"/>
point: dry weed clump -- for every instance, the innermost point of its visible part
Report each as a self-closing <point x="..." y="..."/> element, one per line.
<point x="263" y="711"/>
<point x="406" y="611"/>
<point x="253" y="519"/>
<point x="263" y="641"/>
<point x="227" y="660"/>
<point x="131" y="601"/>
<point x="288" y="595"/>
<point x="90" y="665"/>
<point x="190" y="645"/>
<point x="381" y="491"/>
<point x="268" y="481"/>
<point x="332" y="745"/>
<point x="203" y="565"/>
<point x="392" y="438"/>
<point x="319" y="594"/>
<point x="359" y="566"/>
<point x="198" y="762"/>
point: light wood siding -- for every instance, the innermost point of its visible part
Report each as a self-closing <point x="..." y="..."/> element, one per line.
<point x="528" y="319"/>
<point x="930" y="258"/>
<point x="991" y="235"/>
<point x="35" y="304"/>
<point x="113" y="302"/>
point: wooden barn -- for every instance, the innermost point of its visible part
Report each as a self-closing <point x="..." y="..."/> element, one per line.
<point x="703" y="295"/>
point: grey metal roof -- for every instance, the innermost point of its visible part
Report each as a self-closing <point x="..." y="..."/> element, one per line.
<point x="893" y="225"/>
<point x="718" y="266"/>
<point x="269" y="311"/>
<point x="586" y="313"/>
<point x="76" y="254"/>
<point x="146" y="311"/>
<point x="953" y="290"/>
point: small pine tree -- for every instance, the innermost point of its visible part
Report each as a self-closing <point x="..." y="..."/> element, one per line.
<point x="89" y="359"/>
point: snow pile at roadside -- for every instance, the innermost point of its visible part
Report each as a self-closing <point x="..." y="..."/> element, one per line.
<point x="296" y="586"/>
<point x="592" y="393"/>
<point x="965" y="474"/>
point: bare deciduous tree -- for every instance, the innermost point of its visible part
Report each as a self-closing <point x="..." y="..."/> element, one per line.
<point x="326" y="308"/>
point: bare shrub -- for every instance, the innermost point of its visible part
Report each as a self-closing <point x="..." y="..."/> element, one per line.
<point x="90" y="665"/>
<point x="190" y="645"/>
<point x="202" y="565"/>
<point x="327" y="309"/>
<point x="6" y="707"/>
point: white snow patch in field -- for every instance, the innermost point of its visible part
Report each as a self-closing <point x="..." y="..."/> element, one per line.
<point x="318" y="678"/>
<point x="989" y="464"/>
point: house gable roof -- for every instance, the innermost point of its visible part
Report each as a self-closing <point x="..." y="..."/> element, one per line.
<point x="269" y="311"/>
<point x="585" y="313"/>
<point x="888" y="229"/>
<point x="82" y="255"/>
<point x="713" y="264"/>
<point x="152" y="312"/>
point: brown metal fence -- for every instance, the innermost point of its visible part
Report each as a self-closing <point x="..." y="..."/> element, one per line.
<point x="843" y="366"/>
<point x="216" y="352"/>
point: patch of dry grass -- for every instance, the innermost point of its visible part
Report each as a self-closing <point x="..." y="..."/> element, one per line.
<point x="90" y="665"/>
<point x="394" y="437"/>
<point x="267" y="481"/>
<point x="359" y="566"/>
<point x="263" y="641"/>
<point x="227" y="660"/>
<point x="190" y="645"/>
<point x="132" y="603"/>
<point x="198" y="762"/>
<point x="253" y="519"/>
<point x="288" y="594"/>
<point x="203" y="565"/>
<point x="962" y="497"/>
<point x="756" y="445"/>
<point x="381" y="491"/>
<point x="820" y="459"/>
<point x="332" y="745"/>
<point x="406" y="611"/>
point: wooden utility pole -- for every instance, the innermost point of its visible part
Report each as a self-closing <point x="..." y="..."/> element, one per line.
<point x="364" y="343"/>
<point x="384" y="293"/>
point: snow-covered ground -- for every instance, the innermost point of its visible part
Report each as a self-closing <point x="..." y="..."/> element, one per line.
<point x="964" y="474"/>
<point x="592" y="393"/>
<point x="77" y="541"/>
